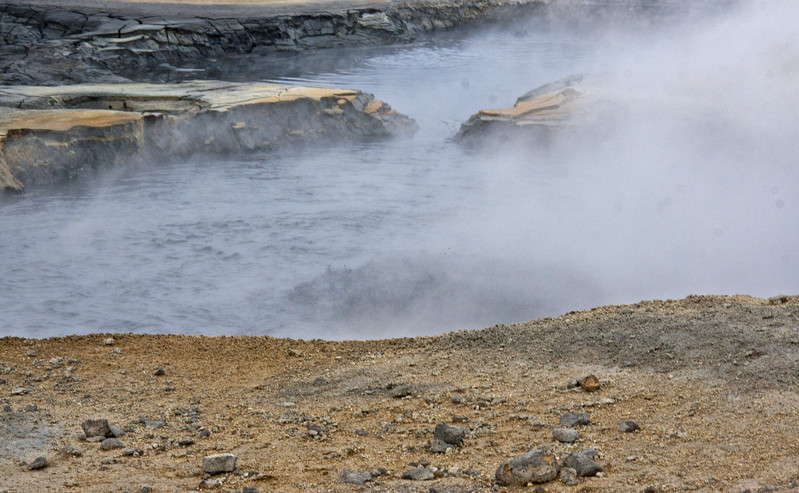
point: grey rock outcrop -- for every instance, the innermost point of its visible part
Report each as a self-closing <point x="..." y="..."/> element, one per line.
<point x="348" y="476"/>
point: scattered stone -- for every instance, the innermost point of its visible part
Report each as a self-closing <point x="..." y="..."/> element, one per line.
<point x="116" y="430"/>
<point x="628" y="426"/>
<point x="31" y="408"/>
<point x="210" y="483"/>
<point x="400" y="391"/>
<point x="348" y="476"/>
<point x="570" y="420"/>
<point x="589" y="383"/>
<point x="446" y="436"/>
<point x="294" y="352"/>
<point x="583" y="463"/>
<point x="109" y="341"/>
<point x="38" y="463"/>
<point x="219" y="463"/>
<point x="320" y="381"/>
<point x="420" y="474"/>
<point x="56" y="362"/>
<point x="250" y="489"/>
<point x="96" y="428"/>
<point x="565" y="435"/>
<point x="568" y="476"/>
<point x="380" y="471"/>
<point x="111" y="444"/>
<point x="116" y="350"/>
<point x="152" y="423"/>
<point x="7" y="408"/>
<point x="536" y="466"/>
<point x="159" y="372"/>
<point x="185" y="442"/>
<point x="132" y="452"/>
<point x="146" y="488"/>
<point x="19" y="390"/>
<point x="69" y="450"/>
<point x="457" y="399"/>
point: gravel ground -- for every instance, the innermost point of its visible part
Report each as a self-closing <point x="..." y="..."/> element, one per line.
<point x="710" y="380"/>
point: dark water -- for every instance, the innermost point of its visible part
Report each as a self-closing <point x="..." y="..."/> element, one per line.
<point x="418" y="236"/>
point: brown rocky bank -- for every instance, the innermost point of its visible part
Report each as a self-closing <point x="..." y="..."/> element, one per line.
<point x="711" y="380"/>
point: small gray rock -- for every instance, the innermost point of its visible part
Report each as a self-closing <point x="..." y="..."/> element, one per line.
<point x="583" y="463"/>
<point x="31" y="408"/>
<point x="210" y="483"/>
<point x="146" y="488"/>
<point x="116" y="431"/>
<point x="111" y="444"/>
<point x="536" y="466"/>
<point x="628" y="426"/>
<point x="7" y="408"/>
<point x="565" y="435"/>
<point x="568" y="476"/>
<point x="219" y="463"/>
<point x="38" y="463"/>
<point x="250" y="489"/>
<point x="96" y="428"/>
<point x="452" y="435"/>
<point x="348" y="476"/>
<point x="400" y="391"/>
<point x="420" y="474"/>
<point x="570" y="420"/>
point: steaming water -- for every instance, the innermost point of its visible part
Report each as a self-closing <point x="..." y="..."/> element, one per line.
<point x="692" y="191"/>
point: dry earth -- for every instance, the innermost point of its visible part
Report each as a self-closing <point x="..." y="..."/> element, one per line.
<point x="712" y="382"/>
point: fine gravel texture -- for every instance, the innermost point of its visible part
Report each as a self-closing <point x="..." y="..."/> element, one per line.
<point x="710" y="380"/>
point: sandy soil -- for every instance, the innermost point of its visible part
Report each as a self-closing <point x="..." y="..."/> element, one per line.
<point x="712" y="381"/>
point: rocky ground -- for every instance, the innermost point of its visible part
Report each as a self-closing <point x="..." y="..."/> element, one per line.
<point x="698" y="394"/>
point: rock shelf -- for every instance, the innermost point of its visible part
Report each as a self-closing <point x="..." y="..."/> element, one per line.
<point x="54" y="133"/>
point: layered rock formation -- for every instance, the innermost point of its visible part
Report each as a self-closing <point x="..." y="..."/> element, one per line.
<point x="49" y="133"/>
<point x="534" y="116"/>
<point x="79" y="41"/>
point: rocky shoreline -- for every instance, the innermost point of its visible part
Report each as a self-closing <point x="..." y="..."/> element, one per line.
<point x="51" y="134"/>
<point x="50" y="44"/>
<point x="697" y="394"/>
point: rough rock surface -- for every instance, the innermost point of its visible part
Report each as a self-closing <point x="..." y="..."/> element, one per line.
<point x="219" y="463"/>
<point x="80" y="41"/>
<point x="103" y="124"/>
<point x="713" y="378"/>
<point x="536" y="466"/>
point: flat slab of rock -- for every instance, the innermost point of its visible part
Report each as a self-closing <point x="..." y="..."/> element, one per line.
<point x="534" y="116"/>
<point x="112" y="123"/>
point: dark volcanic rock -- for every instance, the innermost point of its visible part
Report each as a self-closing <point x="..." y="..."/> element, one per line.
<point x="583" y="463"/>
<point x="628" y="426"/>
<point x="446" y="436"/>
<point x="536" y="466"/>
<point x="39" y="463"/>
<point x="96" y="428"/>
<point x="570" y="420"/>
